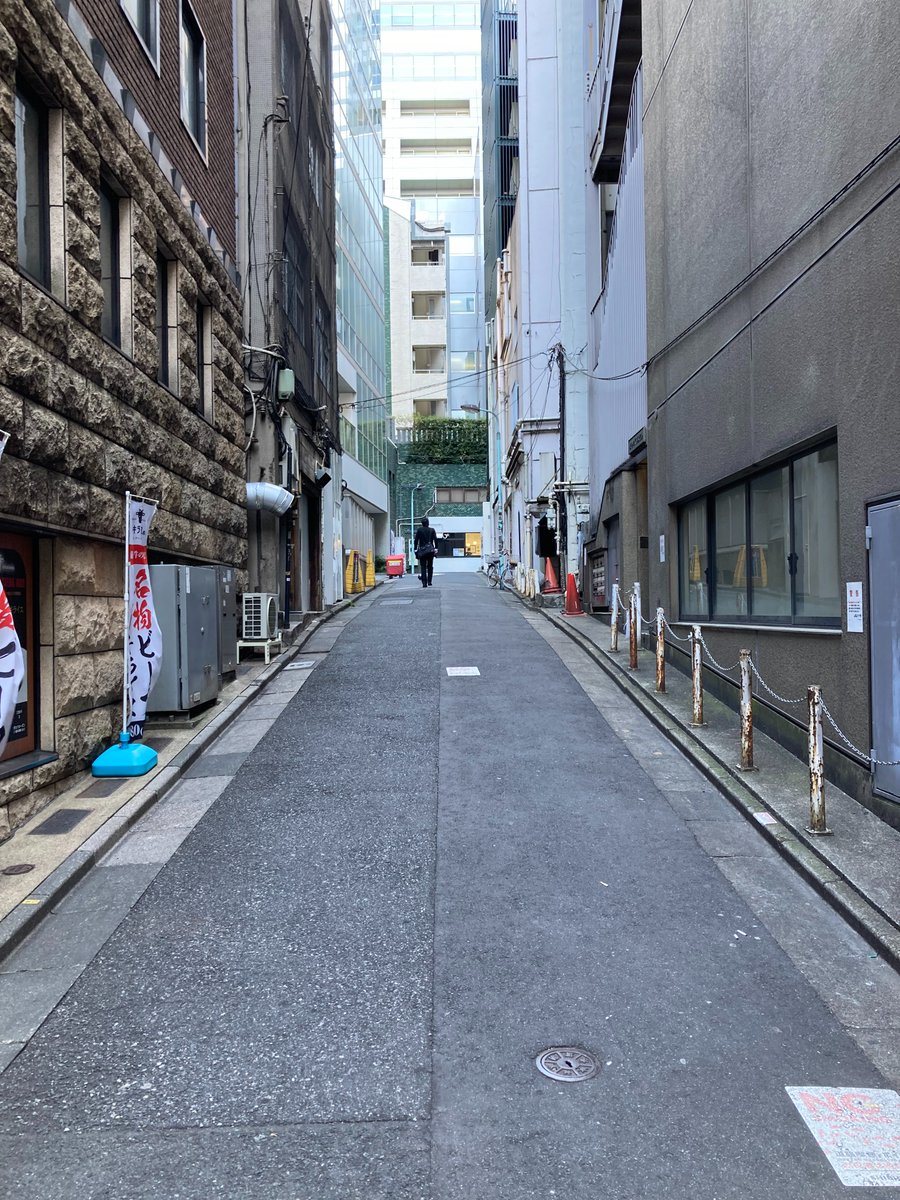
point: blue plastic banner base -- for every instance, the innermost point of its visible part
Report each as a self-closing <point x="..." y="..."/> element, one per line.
<point x="126" y="759"/>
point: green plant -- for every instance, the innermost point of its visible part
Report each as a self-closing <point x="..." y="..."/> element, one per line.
<point x="447" y="440"/>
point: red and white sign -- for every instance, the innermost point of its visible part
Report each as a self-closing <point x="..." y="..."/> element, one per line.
<point x="12" y="660"/>
<point x="144" y="641"/>
<point x="12" y="668"/>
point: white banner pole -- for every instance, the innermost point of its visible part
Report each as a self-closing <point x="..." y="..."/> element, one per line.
<point x="125" y="624"/>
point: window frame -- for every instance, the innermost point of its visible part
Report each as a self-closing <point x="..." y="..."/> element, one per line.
<point x="204" y="372"/>
<point x="748" y="617"/>
<point x="21" y="91"/>
<point x="108" y="194"/>
<point x="169" y="378"/>
<point x="185" y="7"/>
<point x="152" y="52"/>
<point x="322" y="351"/>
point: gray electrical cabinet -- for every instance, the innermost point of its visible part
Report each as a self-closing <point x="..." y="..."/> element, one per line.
<point x="227" y="600"/>
<point x="187" y="611"/>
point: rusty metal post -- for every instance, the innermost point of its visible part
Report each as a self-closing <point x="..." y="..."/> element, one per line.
<point x="614" y="621"/>
<point x="696" y="676"/>
<point x="637" y="608"/>
<point x="660" y="650"/>
<point x="746" y="763"/>
<point x="817" y="823"/>
<point x="632" y="633"/>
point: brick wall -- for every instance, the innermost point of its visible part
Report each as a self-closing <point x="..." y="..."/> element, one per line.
<point x="158" y="97"/>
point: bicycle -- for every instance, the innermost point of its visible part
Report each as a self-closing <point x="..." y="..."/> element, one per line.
<point x="499" y="570"/>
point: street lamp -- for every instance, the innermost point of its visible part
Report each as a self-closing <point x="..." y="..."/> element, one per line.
<point x="488" y="412"/>
<point x="413" y="488"/>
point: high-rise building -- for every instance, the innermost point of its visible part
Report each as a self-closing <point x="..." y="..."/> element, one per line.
<point x="431" y="60"/>
<point x="359" y="245"/>
<point x="616" y="543"/>
<point x="286" y="203"/>
<point x="541" y="462"/>
<point x="500" y="133"/>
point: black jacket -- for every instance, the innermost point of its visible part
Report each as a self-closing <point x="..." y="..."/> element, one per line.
<point x="425" y="536"/>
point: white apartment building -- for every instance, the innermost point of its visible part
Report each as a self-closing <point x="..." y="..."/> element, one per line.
<point x="540" y="332"/>
<point x="431" y="118"/>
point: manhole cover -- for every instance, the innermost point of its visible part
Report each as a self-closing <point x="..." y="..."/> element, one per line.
<point x="18" y="869"/>
<point x="568" y="1064"/>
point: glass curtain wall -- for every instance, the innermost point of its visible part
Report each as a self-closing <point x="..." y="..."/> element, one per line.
<point x="359" y="222"/>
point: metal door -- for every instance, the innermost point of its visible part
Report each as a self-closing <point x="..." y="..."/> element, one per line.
<point x="884" y="639"/>
<point x="200" y="631"/>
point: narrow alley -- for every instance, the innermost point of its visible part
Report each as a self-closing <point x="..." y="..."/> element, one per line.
<point x="438" y="844"/>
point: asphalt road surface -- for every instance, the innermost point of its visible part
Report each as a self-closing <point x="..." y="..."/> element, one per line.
<point x="400" y="886"/>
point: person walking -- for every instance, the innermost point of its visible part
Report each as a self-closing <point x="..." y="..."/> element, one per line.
<point x="425" y="546"/>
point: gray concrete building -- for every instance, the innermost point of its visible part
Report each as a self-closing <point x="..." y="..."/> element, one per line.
<point x="772" y="173"/>
<point x="287" y="258"/>
<point x="119" y="344"/>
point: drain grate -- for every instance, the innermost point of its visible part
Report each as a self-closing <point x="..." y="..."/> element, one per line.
<point x="567" y="1064"/>
<point x="102" y="787"/>
<point x="62" y="821"/>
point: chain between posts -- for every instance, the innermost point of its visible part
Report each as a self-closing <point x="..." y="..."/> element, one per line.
<point x="674" y="634"/>
<point x="771" y="691"/>
<point x="661" y="622"/>
<point x="876" y="762"/>
<point x="716" y="664"/>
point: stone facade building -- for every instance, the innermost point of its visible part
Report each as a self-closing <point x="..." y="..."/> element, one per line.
<point x="119" y="342"/>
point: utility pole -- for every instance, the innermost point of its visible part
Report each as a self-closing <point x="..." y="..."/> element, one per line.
<point x="561" y="492"/>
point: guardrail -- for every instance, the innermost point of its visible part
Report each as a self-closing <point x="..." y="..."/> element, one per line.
<point x="816" y="708"/>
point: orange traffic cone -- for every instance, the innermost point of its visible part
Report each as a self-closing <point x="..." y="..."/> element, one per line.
<point x="573" y="600"/>
<point x="552" y="588"/>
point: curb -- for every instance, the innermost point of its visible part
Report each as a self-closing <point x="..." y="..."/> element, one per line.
<point x="828" y="880"/>
<point x="24" y="919"/>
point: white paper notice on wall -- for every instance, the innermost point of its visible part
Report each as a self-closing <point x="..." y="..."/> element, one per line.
<point x="662" y="547"/>
<point x="854" y="608"/>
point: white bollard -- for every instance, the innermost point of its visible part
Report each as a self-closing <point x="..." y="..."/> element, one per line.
<point x="696" y="677"/>
<point x="633" y="620"/>
<point x="637" y="605"/>
<point x="660" y="650"/>
<point x="746" y="763"/>
<point x="614" y="621"/>
<point x="817" y="822"/>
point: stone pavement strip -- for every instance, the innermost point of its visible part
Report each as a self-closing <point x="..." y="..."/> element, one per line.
<point x="331" y="969"/>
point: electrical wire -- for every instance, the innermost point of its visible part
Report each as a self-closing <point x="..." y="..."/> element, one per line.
<point x="873" y="208"/>
<point x="798" y="232"/>
<point x="761" y="266"/>
<point x="438" y="388"/>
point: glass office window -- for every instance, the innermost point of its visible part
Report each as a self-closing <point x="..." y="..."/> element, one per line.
<point x="693" y="560"/>
<point x="730" y="573"/>
<point x="768" y="565"/>
<point x="815" y="559"/>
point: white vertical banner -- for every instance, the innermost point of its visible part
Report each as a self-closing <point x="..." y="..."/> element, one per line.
<point x="12" y="660"/>
<point x="144" y="644"/>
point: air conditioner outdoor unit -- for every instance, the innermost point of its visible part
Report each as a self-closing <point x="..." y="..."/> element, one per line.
<point x="260" y="616"/>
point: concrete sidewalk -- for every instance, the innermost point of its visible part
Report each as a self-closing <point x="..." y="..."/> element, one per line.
<point x="856" y="868"/>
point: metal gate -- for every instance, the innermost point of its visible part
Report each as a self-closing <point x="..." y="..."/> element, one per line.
<point x="884" y="637"/>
